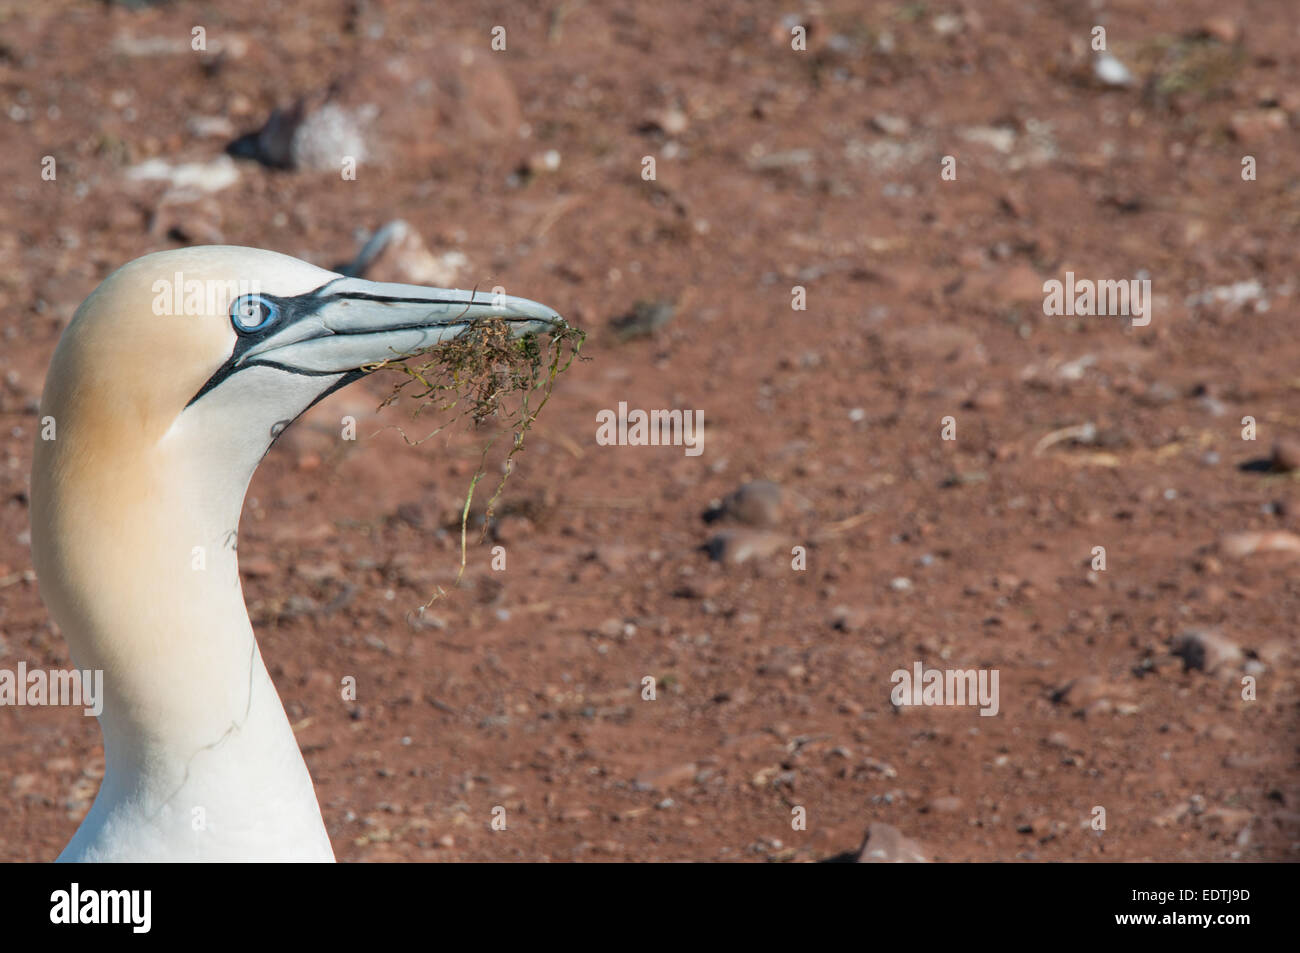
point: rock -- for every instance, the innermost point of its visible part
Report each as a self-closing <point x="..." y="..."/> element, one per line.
<point x="752" y="504"/>
<point x="410" y="105"/>
<point x="1248" y="543"/>
<point x="512" y="527"/>
<point x="1111" y="72"/>
<point x="1206" y="649"/>
<point x="674" y="776"/>
<point x="539" y="163"/>
<point x="944" y="805"/>
<point x="885" y="844"/>
<point x="671" y="122"/>
<point x="1286" y="455"/>
<point x="210" y="127"/>
<point x="890" y="125"/>
<point x="213" y="176"/>
<point x="1274" y="651"/>
<point x="612" y="557"/>
<point x="1000" y="138"/>
<point x="947" y="347"/>
<point x="1088" y="695"/>
<point x="736" y="546"/>
<point x="1225" y="29"/>
<point x="314" y="132"/>
<point x="848" y="619"/>
<point x="397" y="253"/>
<point x="182" y="218"/>
<point x="987" y="398"/>
<point x="1228" y="820"/>
<point x="257" y="566"/>
<point x="1257" y="125"/>
<point x="645" y="318"/>
<point x="319" y="572"/>
<point x="947" y="24"/>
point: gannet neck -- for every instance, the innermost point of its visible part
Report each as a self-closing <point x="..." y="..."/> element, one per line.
<point x="138" y="564"/>
<point x="165" y="391"/>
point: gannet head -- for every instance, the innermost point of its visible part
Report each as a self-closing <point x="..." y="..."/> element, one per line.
<point x="249" y="332"/>
<point x="165" y="391"/>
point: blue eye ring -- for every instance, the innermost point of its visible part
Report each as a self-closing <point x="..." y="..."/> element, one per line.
<point x="251" y="313"/>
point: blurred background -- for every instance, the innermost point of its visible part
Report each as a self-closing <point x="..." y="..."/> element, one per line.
<point x="776" y="168"/>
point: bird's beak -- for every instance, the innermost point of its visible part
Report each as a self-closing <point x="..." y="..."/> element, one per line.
<point x="349" y="324"/>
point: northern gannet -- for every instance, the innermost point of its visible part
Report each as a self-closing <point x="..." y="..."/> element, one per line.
<point x="163" y="401"/>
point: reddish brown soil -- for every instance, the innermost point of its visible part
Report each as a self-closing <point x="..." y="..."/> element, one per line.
<point x="924" y="301"/>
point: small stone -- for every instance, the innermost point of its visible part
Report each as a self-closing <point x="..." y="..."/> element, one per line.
<point x="1286" y="455"/>
<point x="988" y="398"/>
<point x="1089" y="694"/>
<point x="257" y="566"/>
<point x="945" y="805"/>
<point x="890" y="125"/>
<point x="1110" y="71"/>
<point x="752" y="504"/>
<point x="1248" y="543"/>
<point x="1222" y="28"/>
<point x="1256" y="125"/>
<point x="645" y="318"/>
<point x="546" y="161"/>
<point x="671" y="121"/>
<point x="736" y="546"/>
<point x="612" y="557"/>
<point x="885" y="844"/>
<point x="397" y="253"/>
<point x="674" y="776"/>
<point x="1206" y="650"/>
<point x="848" y="619"/>
<point x="1229" y="820"/>
<point x="947" y="24"/>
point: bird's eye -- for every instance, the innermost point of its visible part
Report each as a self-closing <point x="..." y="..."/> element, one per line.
<point x="253" y="312"/>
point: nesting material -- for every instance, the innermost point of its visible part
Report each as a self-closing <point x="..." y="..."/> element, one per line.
<point x="483" y="374"/>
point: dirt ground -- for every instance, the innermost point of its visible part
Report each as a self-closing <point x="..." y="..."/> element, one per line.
<point x="1120" y="688"/>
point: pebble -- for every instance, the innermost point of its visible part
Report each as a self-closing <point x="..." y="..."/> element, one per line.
<point x="736" y="546"/>
<point x="257" y="566"/>
<point x="757" y="503"/>
<point x="397" y="253"/>
<point x="213" y="176"/>
<point x="885" y="844"/>
<point x="1222" y="28"/>
<point x="1248" y="543"/>
<point x="944" y="805"/>
<point x="890" y="125"/>
<point x="1206" y="650"/>
<point x="645" y="318"/>
<point x="1253" y="126"/>
<point x="1110" y="71"/>
<point x="673" y="776"/>
<point x="1089" y="695"/>
<point x="1286" y="455"/>
<point x="848" y="619"/>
